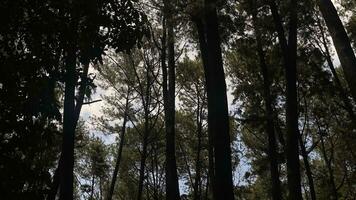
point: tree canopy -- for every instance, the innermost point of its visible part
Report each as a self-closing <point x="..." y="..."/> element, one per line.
<point x="177" y="100"/>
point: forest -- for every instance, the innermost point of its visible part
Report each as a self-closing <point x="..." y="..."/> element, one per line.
<point x="177" y="99"/>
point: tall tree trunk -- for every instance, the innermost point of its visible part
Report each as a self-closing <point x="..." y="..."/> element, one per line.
<point x="341" y="42"/>
<point x="218" y="119"/>
<point x="78" y="106"/>
<point x="121" y="145"/>
<point x="293" y="172"/>
<point x="172" y="186"/>
<point x="66" y="171"/>
<point x="289" y="52"/>
<point x="204" y="54"/>
<point x="272" y="143"/>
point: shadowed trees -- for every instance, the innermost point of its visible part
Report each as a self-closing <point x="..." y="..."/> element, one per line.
<point x="341" y="42"/>
<point x="290" y="102"/>
<point x="169" y="95"/>
<point x="218" y="122"/>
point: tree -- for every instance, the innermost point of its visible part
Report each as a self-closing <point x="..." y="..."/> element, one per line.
<point x="190" y="78"/>
<point x="107" y="76"/>
<point x="163" y="129"/>
<point x="341" y="42"/>
<point x="270" y="124"/>
<point x="93" y="41"/>
<point x="29" y="102"/>
<point x="289" y="52"/>
<point x="169" y="95"/>
<point x="218" y="123"/>
<point x="93" y="166"/>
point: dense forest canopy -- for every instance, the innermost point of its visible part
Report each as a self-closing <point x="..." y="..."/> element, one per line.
<point x="177" y="100"/>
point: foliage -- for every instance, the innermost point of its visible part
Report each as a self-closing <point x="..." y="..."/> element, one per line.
<point x="120" y="51"/>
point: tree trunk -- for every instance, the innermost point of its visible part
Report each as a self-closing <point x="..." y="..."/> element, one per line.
<point x="101" y="188"/>
<point x="218" y="119"/>
<point x="55" y="183"/>
<point x="204" y="54"/>
<point x="143" y="160"/>
<point x="207" y="187"/>
<point x="78" y="106"/>
<point x="146" y="102"/>
<point x="92" y="188"/>
<point x="272" y="143"/>
<point x="66" y="171"/>
<point x="289" y="52"/>
<point x="279" y="28"/>
<point x="121" y="145"/>
<point x="293" y="172"/>
<point x="341" y="42"/>
<point x="343" y="94"/>
<point x="154" y="163"/>
<point x="330" y="170"/>
<point x="172" y="186"/>
<point x="197" y="181"/>
<point x="308" y="171"/>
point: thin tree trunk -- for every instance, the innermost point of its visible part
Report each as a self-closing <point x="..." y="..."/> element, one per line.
<point x="279" y="28"/>
<point x="197" y="181"/>
<point x="272" y="143"/>
<point x="55" y="183"/>
<point x="207" y="187"/>
<point x="172" y="186"/>
<point x="146" y="102"/>
<point x="121" y="145"/>
<point x="341" y="42"/>
<point x="143" y="160"/>
<point x="92" y="188"/>
<point x="101" y="189"/>
<point x="218" y="119"/>
<point x="330" y="170"/>
<point x="147" y="192"/>
<point x="308" y="171"/>
<point x="186" y="162"/>
<point x="154" y="174"/>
